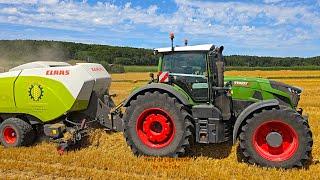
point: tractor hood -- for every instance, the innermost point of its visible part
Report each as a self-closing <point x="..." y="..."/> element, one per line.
<point x="255" y="89"/>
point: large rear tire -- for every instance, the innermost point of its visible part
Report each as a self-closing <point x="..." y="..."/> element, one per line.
<point x="276" y="138"/>
<point x="15" y="132"/>
<point x="156" y="124"/>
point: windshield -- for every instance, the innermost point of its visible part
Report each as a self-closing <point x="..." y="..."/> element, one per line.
<point x="185" y="63"/>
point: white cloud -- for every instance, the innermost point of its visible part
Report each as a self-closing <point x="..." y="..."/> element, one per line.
<point x="9" y="10"/>
<point x="272" y="1"/>
<point x="49" y="2"/>
<point x="264" y="25"/>
<point x="232" y="20"/>
<point x="18" y="1"/>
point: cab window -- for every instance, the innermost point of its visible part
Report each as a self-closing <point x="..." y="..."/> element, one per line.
<point x="185" y="63"/>
<point x="188" y="70"/>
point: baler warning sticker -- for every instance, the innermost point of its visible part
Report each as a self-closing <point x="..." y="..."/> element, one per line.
<point x="35" y="92"/>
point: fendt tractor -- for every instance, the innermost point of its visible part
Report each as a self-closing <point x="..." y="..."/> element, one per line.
<point x="189" y="101"/>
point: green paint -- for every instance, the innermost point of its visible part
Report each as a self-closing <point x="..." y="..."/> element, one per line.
<point x="79" y="105"/>
<point x="6" y="94"/>
<point x="160" y="64"/>
<point x="43" y="98"/>
<point x="254" y="84"/>
<point x="183" y="93"/>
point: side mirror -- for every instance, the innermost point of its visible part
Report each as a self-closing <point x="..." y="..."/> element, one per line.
<point x="152" y="77"/>
<point x="219" y="49"/>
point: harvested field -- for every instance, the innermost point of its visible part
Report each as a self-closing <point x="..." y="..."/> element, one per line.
<point x="107" y="155"/>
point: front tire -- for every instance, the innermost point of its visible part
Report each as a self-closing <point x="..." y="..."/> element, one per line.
<point x="15" y="132"/>
<point x="276" y="138"/>
<point x="156" y="124"/>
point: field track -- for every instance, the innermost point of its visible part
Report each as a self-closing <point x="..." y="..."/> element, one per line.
<point x="106" y="155"/>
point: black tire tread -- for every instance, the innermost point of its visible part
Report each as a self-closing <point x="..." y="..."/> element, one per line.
<point x="184" y="145"/>
<point x="295" y="115"/>
<point x="26" y="131"/>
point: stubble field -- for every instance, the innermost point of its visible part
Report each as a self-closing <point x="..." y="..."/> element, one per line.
<point x="106" y="156"/>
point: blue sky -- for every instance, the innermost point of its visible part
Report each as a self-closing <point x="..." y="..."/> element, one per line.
<point x="265" y="27"/>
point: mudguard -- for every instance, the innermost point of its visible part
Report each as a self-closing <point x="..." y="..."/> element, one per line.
<point x="249" y="110"/>
<point x="158" y="87"/>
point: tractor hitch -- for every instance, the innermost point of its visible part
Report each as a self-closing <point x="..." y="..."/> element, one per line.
<point x="105" y="116"/>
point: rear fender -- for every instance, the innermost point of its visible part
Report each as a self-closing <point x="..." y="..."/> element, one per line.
<point x="249" y="110"/>
<point x="158" y="87"/>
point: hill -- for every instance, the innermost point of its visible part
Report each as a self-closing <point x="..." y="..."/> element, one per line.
<point x="14" y="52"/>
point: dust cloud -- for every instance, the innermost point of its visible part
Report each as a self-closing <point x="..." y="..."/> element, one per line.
<point x="14" y="54"/>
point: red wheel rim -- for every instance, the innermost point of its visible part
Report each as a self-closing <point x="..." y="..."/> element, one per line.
<point x="9" y="135"/>
<point x="286" y="148"/>
<point x="155" y="128"/>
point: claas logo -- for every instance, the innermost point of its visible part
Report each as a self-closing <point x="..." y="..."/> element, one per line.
<point x="35" y="92"/>
<point x="97" y="69"/>
<point x="58" y="72"/>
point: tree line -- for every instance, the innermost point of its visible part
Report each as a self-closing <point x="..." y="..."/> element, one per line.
<point x="32" y="50"/>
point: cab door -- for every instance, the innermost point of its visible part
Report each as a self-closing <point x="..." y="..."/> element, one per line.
<point x="188" y="70"/>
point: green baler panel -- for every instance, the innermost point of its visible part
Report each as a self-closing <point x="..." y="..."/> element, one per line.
<point x="6" y="94"/>
<point x="43" y="98"/>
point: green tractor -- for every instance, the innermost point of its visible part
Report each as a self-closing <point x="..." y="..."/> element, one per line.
<point x="191" y="102"/>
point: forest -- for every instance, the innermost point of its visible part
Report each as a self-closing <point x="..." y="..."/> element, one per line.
<point x="32" y="50"/>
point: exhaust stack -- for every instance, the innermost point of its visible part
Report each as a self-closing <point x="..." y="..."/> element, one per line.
<point x="222" y="101"/>
<point x="220" y="66"/>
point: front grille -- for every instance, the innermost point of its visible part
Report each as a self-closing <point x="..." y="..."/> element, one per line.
<point x="294" y="92"/>
<point x="279" y="86"/>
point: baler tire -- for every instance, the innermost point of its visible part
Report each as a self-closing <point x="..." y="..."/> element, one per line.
<point x="22" y="133"/>
<point x="296" y="139"/>
<point x="181" y="123"/>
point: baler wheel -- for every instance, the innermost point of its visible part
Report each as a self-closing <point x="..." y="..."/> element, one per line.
<point x="15" y="132"/>
<point x="278" y="138"/>
<point x="156" y="124"/>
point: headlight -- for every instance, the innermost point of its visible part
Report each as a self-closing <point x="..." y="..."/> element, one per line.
<point x="295" y="90"/>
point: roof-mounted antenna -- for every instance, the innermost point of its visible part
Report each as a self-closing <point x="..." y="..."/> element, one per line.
<point x="172" y="37"/>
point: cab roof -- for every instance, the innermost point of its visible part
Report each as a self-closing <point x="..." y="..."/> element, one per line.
<point x="203" y="47"/>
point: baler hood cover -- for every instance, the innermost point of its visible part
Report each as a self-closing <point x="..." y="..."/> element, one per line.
<point x="40" y="64"/>
<point x="47" y="89"/>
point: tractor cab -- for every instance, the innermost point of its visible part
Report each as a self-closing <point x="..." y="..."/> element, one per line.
<point x="187" y="67"/>
<point x="199" y="71"/>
